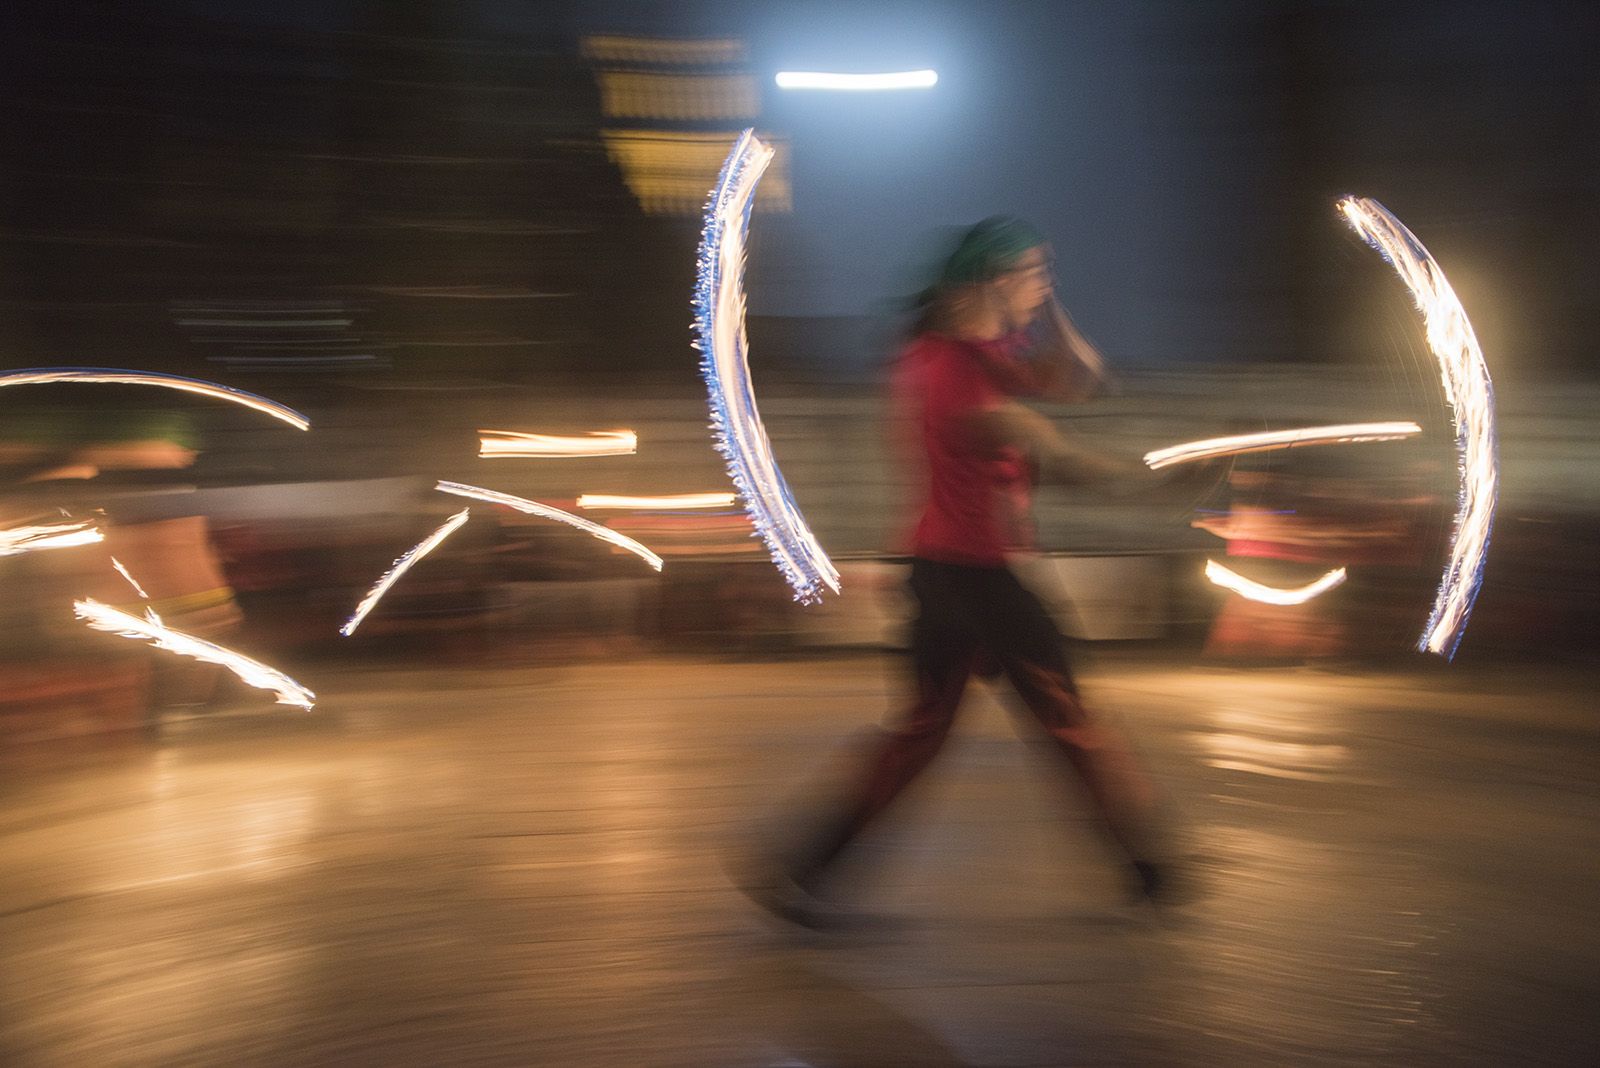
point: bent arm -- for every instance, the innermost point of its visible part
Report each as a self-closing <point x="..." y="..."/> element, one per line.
<point x="1074" y="369"/>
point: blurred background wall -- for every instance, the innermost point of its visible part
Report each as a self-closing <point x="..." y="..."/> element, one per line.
<point x="415" y="220"/>
<point x="438" y="185"/>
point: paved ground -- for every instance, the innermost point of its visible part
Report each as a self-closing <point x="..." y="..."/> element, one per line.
<point x="520" y="867"/>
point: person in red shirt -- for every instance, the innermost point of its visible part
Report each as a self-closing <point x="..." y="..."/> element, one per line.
<point x="991" y="332"/>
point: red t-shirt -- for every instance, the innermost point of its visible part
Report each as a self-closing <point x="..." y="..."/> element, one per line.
<point x="976" y="498"/>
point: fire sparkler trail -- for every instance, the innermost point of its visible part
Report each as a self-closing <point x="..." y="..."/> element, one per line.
<point x="47" y="375"/>
<point x="251" y="672"/>
<point x="493" y="444"/>
<point x="27" y="539"/>
<point x="1255" y="591"/>
<point x="1233" y="445"/>
<point x="1471" y="395"/>
<point x="134" y="583"/>
<point x="672" y="502"/>
<point x="401" y="566"/>
<point x="735" y="421"/>
<point x="621" y="541"/>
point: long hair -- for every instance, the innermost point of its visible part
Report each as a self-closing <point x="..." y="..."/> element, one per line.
<point x="932" y="310"/>
<point x="983" y="253"/>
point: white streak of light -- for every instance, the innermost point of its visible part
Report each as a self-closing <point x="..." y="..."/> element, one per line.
<point x="667" y="502"/>
<point x="1255" y="591"/>
<point x="1471" y="395"/>
<point x="27" y="539"/>
<point x="521" y="504"/>
<point x="251" y="672"/>
<point x="493" y="444"/>
<point x="736" y="424"/>
<point x="131" y="581"/>
<point x="810" y="79"/>
<point x="48" y="375"/>
<point x="401" y="566"/>
<point x="1340" y="434"/>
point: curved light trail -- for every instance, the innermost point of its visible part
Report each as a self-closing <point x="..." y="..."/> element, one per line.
<point x="151" y="629"/>
<point x="1255" y="591"/>
<point x="735" y="421"/>
<point x="1235" y="444"/>
<point x="1471" y="395"/>
<point x="522" y="504"/>
<point x="47" y="375"/>
<point x="401" y="566"/>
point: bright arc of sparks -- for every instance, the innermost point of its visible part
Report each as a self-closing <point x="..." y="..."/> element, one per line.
<point x="251" y="672"/>
<point x="131" y="580"/>
<point x="1340" y="434"/>
<point x="215" y="390"/>
<point x="735" y="421"/>
<point x="522" y="504"/>
<point x="401" y="566"/>
<point x="1471" y="396"/>
<point x="814" y="79"/>
<point x="495" y="444"/>
<point x="1255" y="591"/>
<point x="27" y="539"/>
<point x="666" y="502"/>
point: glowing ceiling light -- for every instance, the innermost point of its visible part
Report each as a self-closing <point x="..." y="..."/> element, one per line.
<point x="666" y="502"/>
<point x="1471" y="395"/>
<point x="522" y="504"/>
<point x="47" y="375"/>
<point x="809" y="79"/>
<point x="1255" y="591"/>
<point x="401" y="566"/>
<point x="735" y="420"/>
<point x="1340" y="434"/>
<point x="151" y="629"/>
<point x="494" y="444"/>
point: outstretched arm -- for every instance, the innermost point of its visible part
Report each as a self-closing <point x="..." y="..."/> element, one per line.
<point x="1060" y="459"/>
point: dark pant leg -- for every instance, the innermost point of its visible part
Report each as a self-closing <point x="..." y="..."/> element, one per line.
<point x="1018" y="628"/>
<point x="942" y="650"/>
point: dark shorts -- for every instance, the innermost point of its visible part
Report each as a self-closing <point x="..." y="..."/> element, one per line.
<point x="982" y="617"/>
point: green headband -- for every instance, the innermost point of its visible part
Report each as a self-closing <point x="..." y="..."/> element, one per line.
<point x="123" y="426"/>
<point x="74" y="427"/>
<point x="989" y="249"/>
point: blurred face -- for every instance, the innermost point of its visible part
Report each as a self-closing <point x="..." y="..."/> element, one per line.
<point x="1028" y="285"/>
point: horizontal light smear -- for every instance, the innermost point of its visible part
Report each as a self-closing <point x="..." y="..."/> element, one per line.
<point x="811" y="79"/>
<point x="27" y="539"/>
<point x="505" y="444"/>
<point x="666" y="502"/>
<point x="1234" y="444"/>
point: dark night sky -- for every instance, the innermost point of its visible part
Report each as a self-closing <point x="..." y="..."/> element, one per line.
<point x="1183" y="156"/>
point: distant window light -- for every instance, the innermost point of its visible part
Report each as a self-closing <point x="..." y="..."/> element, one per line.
<point x="810" y="79"/>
